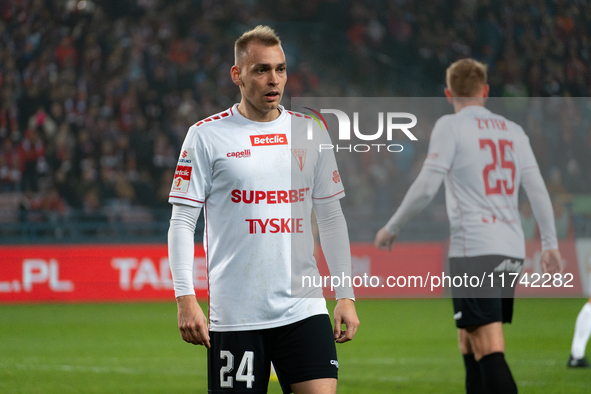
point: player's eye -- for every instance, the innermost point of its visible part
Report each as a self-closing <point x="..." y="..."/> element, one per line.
<point x="281" y="69"/>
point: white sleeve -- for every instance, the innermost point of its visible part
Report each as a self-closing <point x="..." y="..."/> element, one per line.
<point x="181" y="247"/>
<point x="327" y="181"/>
<point x="193" y="174"/>
<point x="334" y="239"/>
<point x="419" y="195"/>
<point x="541" y="206"/>
<point x="442" y="146"/>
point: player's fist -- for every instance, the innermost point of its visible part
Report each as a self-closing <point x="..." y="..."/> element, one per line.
<point x="192" y="321"/>
<point x="384" y="239"/>
<point x="551" y="261"/>
<point x="345" y="313"/>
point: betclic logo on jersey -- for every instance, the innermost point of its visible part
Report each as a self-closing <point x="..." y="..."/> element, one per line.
<point x="182" y="175"/>
<point x="268" y="139"/>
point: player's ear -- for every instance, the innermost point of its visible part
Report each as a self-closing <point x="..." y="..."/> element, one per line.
<point x="235" y="73"/>
<point x="485" y="90"/>
<point x="448" y="95"/>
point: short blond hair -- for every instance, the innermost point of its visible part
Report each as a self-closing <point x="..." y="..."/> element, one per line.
<point x="466" y="77"/>
<point x="261" y="34"/>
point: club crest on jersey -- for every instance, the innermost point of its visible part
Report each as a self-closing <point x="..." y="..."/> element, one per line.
<point x="336" y="178"/>
<point x="268" y="139"/>
<point x="300" y="156"/>
<point x="182" y="178"/>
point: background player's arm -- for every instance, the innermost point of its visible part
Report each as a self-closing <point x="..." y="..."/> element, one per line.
<point x="419" y="195"/>
<point x="191" y="319"/>
<point x="541" y="205"/>
<point x="334" y="240"/>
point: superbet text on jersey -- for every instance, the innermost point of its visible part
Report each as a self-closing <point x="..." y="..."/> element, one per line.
<point x="257" y="182"/>
<point x="483" y="156"/>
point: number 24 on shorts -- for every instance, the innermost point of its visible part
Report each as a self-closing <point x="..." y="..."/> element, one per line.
<point x="245" y="372"/>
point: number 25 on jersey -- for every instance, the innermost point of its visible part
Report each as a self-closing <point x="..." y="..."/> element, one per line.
<point x="500" y="185"/>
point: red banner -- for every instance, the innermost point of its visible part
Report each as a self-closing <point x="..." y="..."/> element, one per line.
<point x="91" y="273"/>
<point x="79" y="273"/>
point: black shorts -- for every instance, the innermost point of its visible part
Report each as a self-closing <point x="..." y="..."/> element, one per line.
<point x="480" y="305"/>
<point x="240" y="361"/>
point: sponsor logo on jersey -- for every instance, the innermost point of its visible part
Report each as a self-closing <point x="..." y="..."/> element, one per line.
<point x="509" y="266"/>
<point x="186" y="156"/>
<point x="336" y="178"/>
<point x="335" y="363"/>
<point x="268" y="139"/>
<point x="244" y="153"/>
<point x="182" y="178"/>
<point x="300" y="156"/>
<point x="269" y="196"/>
<point x="276" y="225"/>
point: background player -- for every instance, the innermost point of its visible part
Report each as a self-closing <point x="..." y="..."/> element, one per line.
<point x="582" y="333"/>
<point x="238" y="165"/>
<point x="483" y="158"/>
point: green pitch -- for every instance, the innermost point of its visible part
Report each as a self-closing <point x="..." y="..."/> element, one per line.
<point x="403" y="346"/>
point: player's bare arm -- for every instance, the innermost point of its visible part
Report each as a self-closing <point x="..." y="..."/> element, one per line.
<point x="192" y="321"/>
<point x="419" y="195"/>
<point x="345" y="313"/>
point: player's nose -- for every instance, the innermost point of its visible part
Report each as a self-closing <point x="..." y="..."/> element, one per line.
<point x="273" y="78"/>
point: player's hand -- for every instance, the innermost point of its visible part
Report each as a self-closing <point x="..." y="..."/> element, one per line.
<point x="192" y="321"/>
<point x="345" y="313"/>
<point x="551" y="262"/>
<point x="384" y="239"/>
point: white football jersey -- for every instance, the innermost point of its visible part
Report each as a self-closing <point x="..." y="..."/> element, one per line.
<point x="483" y="156"/>
<point x="257" y="182"/>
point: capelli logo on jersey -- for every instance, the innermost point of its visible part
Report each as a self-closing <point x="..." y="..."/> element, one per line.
<point x="268" y="139"/>
<point x="239" y="155"/>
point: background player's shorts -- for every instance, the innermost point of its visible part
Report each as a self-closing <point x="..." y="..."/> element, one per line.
<point x="240" y="361"/>
<point x="477" y="306"/>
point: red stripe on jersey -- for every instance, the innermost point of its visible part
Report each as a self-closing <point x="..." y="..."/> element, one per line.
<point x="207" y="268"/>
<point x="215" y="117"/>
<point x="185" y="198"/>
<point x="324" y="198"/>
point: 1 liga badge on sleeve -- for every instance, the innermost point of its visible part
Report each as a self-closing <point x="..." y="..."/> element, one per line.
<point x="182" y="175"/>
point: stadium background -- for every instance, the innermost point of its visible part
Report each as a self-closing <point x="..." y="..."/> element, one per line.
<point x="96" y="97"/>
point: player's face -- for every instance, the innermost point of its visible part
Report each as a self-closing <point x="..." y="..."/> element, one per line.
<point x="261" y="76"/>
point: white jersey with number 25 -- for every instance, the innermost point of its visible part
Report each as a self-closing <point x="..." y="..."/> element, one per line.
<point x="483" y="156"/>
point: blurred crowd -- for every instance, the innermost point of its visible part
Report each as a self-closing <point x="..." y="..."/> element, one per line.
<point x="96" y="96"/>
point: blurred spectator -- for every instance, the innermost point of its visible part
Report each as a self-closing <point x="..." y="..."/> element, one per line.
<point x="96" y="100"/>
